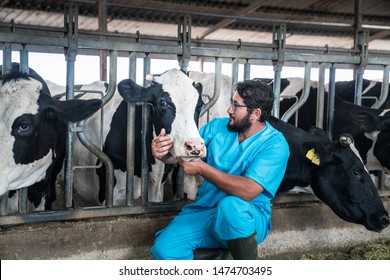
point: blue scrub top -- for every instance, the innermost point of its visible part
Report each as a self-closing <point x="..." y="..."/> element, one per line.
<point x="262" y="157"/>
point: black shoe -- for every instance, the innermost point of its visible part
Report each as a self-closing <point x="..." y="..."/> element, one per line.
<point x="243" y="248"/>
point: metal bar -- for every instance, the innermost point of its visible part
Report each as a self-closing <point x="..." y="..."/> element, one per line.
<point x="23" y="65"/>
<point x="7" y="58"/>
<point x="247" y="70"/>
<point x="217" y="86"/>
<point x="131" y="107"/>
<point x="385" y="88"/>
<point x="235" y="64"/>
<point x="305" y="94"/>
<point x="146" y="69"/>
<point x="276" y="89"/>
<point x="358" y="88"/>
<point x="145" y="168"/>
<point x="184" y="37"/>
<point x="331" y="101"/>
<point x="92" y="212"/>
<point x="70" y="24"/>
<point x="320" y="96"/>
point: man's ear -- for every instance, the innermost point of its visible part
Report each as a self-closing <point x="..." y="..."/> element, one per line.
<point x="256" y="113"/>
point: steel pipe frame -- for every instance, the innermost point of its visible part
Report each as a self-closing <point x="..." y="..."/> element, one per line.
<point x="219" y="54"/>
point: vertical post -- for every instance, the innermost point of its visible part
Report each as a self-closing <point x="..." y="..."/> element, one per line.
<point x="362" y="46"/>
<point x="184" y="40"/>
<point x="320" y="96"/>
<point x="23" y="65"/>
<point x="331" y="100"/>
<point x="131" y="107"/>
<point x="71" y="32"/>
<point x="279" y="42"/>
<point x="6" y="68"/>
<point x="7" y="58"/>
<point x="247" y="70"/>
<point x="102" y="11"/>
<point x="145" y="169"/>
<point x="235" y="65"/>
<point x="146" y="69"/>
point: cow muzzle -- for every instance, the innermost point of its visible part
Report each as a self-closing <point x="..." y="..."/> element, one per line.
<point x="194" y="149"/>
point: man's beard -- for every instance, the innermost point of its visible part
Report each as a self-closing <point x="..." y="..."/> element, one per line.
<point x="240" y="126"/>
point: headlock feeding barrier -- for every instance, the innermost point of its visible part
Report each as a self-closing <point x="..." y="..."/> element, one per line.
<point x="184" y="49"/>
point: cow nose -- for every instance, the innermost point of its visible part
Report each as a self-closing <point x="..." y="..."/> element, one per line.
<point x="384" y="221"/>
<point x="194" y="147"/>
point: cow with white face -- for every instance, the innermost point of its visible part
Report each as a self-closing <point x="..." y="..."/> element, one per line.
<point x="33" y="128"/>
<point x="176" y="103"/>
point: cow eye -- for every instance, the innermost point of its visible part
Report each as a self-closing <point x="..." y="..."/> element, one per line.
<point x="356" y="173"/>
<point x="23" y="129"/>
<point x="163" y="103"/>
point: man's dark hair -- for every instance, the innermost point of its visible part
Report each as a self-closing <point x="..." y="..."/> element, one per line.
<point x="257" y="94"/>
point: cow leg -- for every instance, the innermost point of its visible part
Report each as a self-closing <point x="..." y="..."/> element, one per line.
<point x="156" y="186"/>
<point x="101" y="172"/>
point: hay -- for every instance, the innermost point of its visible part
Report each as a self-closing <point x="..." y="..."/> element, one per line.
<point x="372" y="251"/>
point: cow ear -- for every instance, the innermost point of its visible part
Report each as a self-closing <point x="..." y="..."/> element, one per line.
<point x="198" y="87"/>
<point x="319" y="132"/>
<point x="132" y="92"/>
<point x="314" y="152"/>
<point x="365" y="121"/>
<point x="77" y="109"/>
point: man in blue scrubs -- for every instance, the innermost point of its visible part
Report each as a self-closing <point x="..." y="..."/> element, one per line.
<point x="246" y="161"/>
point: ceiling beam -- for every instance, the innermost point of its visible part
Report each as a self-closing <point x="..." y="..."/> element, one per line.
<point x="225" y="22"/>
<point x="3" y="2"/>
<point x="380" y="35"/>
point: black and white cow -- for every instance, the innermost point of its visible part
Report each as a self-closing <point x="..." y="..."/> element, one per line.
<point x="176" y="103"/>
<point x="33" y="129"/>
<point x="371" y="91"/>
<point x="335" y="174"/>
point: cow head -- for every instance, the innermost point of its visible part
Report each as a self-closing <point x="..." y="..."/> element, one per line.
<point x="176" y="101"/>
<point x="33" y="129"/>
<point x="373" y="128"/>
<point x="342" y="182"/>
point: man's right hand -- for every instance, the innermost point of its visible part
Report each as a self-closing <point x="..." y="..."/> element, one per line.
<point x="161" y="145"/>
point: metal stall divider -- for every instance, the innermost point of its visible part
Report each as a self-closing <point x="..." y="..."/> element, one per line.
<point x="278" y="56"/>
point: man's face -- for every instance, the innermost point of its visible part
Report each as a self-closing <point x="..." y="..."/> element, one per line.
<point x="239" y="115"/>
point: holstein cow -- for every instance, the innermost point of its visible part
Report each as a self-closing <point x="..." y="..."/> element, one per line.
<point x="371" y="91"/>
<point x="176" y="104"/>
<point x="33" y="129"/>
<point x="334" y="172"/>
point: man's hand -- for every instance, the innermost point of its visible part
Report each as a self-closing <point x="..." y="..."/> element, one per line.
<point x="191" y="167"/>
<point x="161" y="145"/>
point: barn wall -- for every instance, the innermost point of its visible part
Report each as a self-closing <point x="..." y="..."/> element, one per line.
<point x="297" y="228"/>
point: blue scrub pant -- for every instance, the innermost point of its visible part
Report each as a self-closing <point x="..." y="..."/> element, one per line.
<point x="210" y="228"/>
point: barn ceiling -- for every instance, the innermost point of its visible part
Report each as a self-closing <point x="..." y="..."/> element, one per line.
<point x="309" y="22"/>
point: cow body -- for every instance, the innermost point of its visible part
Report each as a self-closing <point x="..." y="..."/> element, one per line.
<point x="176" y="104"/>
<point x="371" y="91"/>
<point x="33" y="129"/>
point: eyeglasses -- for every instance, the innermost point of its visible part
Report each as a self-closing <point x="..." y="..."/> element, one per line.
<point x="234" y="106"/>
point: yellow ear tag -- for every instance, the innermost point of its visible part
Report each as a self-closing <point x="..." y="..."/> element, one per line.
<point x="313" y="157"/>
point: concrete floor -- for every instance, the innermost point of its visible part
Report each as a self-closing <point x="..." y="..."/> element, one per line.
<point x="297" y="228"/>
